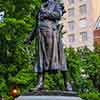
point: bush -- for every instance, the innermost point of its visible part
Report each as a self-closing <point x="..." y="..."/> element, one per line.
<point x="90" y="96"/>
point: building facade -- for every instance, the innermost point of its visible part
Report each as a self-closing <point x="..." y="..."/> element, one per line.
<point x="79" y="22"/>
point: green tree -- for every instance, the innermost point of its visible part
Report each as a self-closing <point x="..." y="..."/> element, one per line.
<point x="74" y="65"/>
<point x="16" y="59"/>
<point x="91" y="65"/>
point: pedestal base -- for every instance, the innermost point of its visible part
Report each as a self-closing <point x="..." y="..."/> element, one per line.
<point x="48" y="98"/>
<point x="49" y="95"/>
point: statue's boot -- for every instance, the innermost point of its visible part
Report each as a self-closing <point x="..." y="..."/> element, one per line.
<point x="67" y="85"/>
<point x="40" y="80"/>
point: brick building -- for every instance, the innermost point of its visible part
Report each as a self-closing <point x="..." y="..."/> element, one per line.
<point x="97" y="32"/>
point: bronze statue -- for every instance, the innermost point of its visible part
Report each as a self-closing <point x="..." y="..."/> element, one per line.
<point x="50" y="53"/>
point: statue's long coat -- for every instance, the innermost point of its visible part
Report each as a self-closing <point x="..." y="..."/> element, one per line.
<point x="50" y="51"/>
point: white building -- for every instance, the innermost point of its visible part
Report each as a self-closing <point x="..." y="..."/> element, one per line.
<point x="79" y="22"/>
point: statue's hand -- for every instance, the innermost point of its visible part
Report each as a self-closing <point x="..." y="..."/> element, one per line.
<point x="27" y="41"/>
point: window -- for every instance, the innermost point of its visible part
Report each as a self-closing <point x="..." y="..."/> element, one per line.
<point x="71" y="12"/>
<point x="83" y="23"/>
<point x="71" y="38"/>
<point x="83" y="10"/>
<point x="98" y="25"/>
<point x="84" y="36"/>
<point x="71" y="26"/>
<point x="70" y="2"/>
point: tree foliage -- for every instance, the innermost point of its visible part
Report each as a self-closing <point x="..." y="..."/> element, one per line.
<point x="16" y="59"/>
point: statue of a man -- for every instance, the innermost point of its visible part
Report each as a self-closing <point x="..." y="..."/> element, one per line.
<point x="50" y="53"/>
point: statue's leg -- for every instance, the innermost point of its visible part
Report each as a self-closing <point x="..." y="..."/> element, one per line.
<point x="67" y="85"/>
<point x="40" y="79"/>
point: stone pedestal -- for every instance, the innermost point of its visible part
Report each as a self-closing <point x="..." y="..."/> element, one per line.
<point x="48" y="98"/>
<point x="49" y="95"/>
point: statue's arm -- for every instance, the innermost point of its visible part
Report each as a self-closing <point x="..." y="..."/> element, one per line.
<point x="32" y="34"/>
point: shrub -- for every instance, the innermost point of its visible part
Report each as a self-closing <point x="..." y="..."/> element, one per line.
<point x="90" y="96"/>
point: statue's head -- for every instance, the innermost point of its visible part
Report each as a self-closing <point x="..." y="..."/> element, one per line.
<point x="47" y="0"/>
<point x="60" y="1"/>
